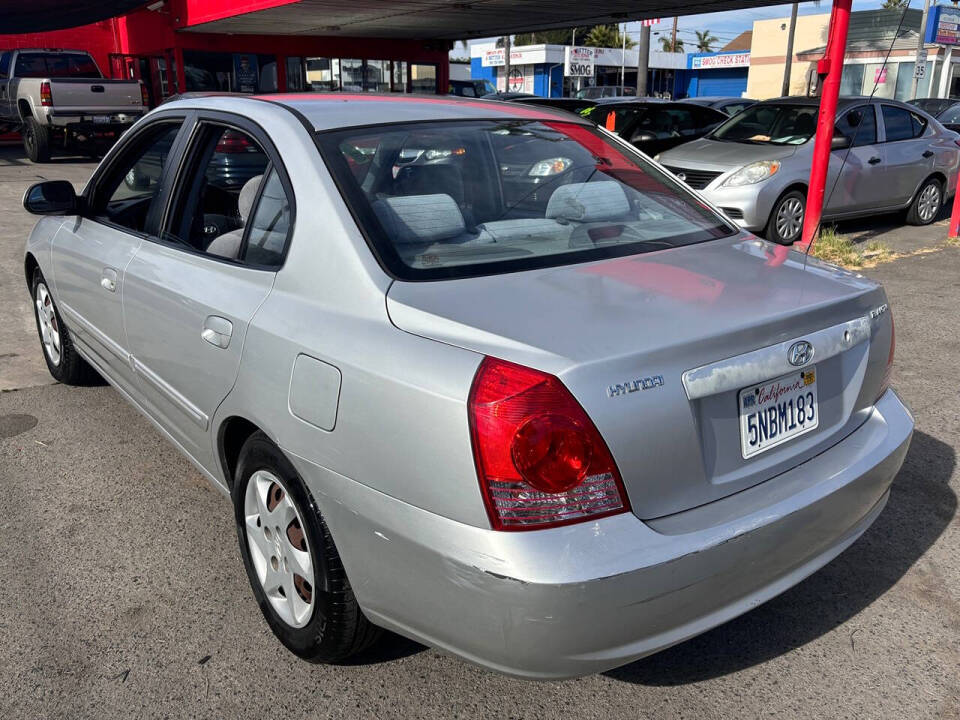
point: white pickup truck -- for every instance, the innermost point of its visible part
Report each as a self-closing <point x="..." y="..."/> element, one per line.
<point x="60" y="99"/>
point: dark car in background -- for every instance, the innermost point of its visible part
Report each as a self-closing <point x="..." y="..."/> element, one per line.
<point x="472" y="88"/>
<point x="729" y="105"/>
<point x="655" y="125"/>
<point x="605" y="91"/>
<point x="945" y="110"/>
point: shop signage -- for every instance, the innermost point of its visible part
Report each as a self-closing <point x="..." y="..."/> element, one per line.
<point x="578" y="61"/>
<point x="880" y="76"/>
<point x="715" y="62"/>
<point x="247" y="72"/>
<point x="494" y="58"/>
<point x="943" y="25"/>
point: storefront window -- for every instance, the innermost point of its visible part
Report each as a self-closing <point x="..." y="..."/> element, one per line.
<point x="905" y="81"/>
<point x="423" y="78"/>
<point x="268" y="73"/>
<point x="851" y="80"/>
<point x="352" y="75"/>
<point x="323" y="74"/>
<point x="294" y="73"/>
<point x="884" y="78"/>
<point x="207" y="71"/>
<point x="399" y="76"/>
<point x="377" y="76"/>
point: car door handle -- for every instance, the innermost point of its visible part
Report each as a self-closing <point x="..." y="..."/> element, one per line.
<point x="873" y="160"/>
<point x="108" y="279"/>
<point x="928" y="153"/>
<point x="217" y="331"/>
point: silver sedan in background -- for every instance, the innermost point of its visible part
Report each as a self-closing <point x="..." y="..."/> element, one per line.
<point x="887" y="156"/>
<point x="481" y="374"/>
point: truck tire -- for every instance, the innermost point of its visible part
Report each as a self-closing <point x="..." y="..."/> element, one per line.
<point x="36" y="141"/>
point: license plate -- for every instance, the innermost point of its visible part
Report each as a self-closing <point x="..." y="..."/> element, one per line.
<point x="777" y="411"/>
<point x="101" y="119"/>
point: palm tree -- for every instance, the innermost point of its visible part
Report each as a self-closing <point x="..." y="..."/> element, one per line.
<point x="705" y="41"/>
<point x="607" y="36"/>
<point x="667" y="46"/>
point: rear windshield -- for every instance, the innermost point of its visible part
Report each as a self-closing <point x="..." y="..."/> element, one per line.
<point x="56" y="65"/>
<point x="441" y="199"/>
<point x="770" y="124"/>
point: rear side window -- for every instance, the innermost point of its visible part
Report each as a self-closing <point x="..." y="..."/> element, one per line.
<point x="442" y="199"/>
<point x="56" y="65"/>
<point x="902" y="124"/>
<point x="951" y="116"/>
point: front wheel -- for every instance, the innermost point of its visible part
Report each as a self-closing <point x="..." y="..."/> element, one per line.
<point x="786" y="218"/>
<point x="292" y="564"/>
<point x="927" y="204"/>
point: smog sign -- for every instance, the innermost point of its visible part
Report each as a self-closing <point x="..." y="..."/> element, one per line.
<point x="578" y="61"/>
<point x="943" y="25"/>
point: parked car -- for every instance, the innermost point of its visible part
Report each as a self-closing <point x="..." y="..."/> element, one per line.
<point x="574" y="105"/>
<point x="604" y="91"/>
<point x="472" y="88"/>
<point x="550" y="444"/>
<point x="655" y="125"/>
<point x="508" y="96"/>
<point x="727" y="105"/>
<point x="946" y="111"/>
<point x="888" y="156"/>
<point x="59" y="98"/>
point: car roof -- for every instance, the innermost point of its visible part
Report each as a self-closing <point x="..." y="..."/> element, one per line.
<point x="651" y="101"/>
<point x="331" y="111"/>
<point x="844" y="101"/>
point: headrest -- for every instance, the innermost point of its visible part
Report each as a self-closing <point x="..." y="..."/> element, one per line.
<point x="247" y="193"/>
<point x="420" y="218"/>
<point x="589" y="202"/>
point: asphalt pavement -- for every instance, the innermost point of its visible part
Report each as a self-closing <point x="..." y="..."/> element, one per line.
<point x="123" y="593"/>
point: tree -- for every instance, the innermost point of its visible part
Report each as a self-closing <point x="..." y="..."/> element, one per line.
<point x="895" y="4"/>
<point x="667" y="46"/>
<point x="705" y="41"/>
<point x="607" y="36"/>
<point x="548" y="37"/>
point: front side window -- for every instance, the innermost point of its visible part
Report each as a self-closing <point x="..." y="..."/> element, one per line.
<point x="468" y="198"/>
<point x="131" y="187"/>
<point x="612" y="118"/>
<point x="770" y="123"/>
<point x="859" y="126"/>
<point x="902" y="124"/>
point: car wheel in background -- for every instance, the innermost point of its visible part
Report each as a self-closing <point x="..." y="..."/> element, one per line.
<point x="786" y="219"/>
<point x="927" y="204"/>
<point x="63" y="361"/>
<point x="290" y="557"/>
<point x="36" y="141"/>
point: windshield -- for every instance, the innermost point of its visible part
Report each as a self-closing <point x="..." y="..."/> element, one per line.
<point x="769" y="123"/>
<point x="456" y="199"/>
<point x="56" y="65"/>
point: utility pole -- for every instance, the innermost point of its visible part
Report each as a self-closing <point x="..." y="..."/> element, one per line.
<point x="788" y="66"/>
<point x="623" y="58"/>
<point x="673" y="36"/>
<point x="643" y="60"/>
<point x="506" y="63"/>
<point x="921" y="51"/>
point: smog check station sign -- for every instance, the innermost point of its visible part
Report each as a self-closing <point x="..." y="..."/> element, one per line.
<point x="943" y="25"/>
<point x="578" y="61"/>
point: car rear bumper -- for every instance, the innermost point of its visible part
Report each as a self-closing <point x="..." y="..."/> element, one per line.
<point x="585" y="598"/>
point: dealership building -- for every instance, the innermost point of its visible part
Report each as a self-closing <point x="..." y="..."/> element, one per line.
<point x="255" y="46"/>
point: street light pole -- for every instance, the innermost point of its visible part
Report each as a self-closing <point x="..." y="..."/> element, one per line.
<point x="921" y="51"/>
<point x="506" y="63"/>
<point x="788" y="65"/>
<point x="643" y="60"/>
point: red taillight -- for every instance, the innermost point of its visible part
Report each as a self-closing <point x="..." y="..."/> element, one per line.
<point x="45" y="97"/>
<point x="540" y="459"/>
<point x="885" y="383"/>
<point x="144" y="95"/>
<point x="234" y="142"/>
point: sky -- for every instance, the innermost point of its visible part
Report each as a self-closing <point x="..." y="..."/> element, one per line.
<point x="727" y="25"/>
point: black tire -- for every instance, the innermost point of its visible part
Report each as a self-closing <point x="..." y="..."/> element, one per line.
<point x="69" y="368"/>
<point x="337" y="627"/>
<point x="36" y="140"/>
<point x="782" y="226"/>
<point x="927" y="203"/>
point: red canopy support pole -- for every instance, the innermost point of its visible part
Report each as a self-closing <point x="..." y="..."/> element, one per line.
<point x="830" y="69"/>
<point x="955" y="217"/>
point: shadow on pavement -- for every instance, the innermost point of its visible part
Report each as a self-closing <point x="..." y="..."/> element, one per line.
<point x="921" y="507"/>
<point x="14" y="155"/>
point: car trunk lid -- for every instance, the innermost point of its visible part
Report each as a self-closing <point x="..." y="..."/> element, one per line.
<point x="654" y="326"/>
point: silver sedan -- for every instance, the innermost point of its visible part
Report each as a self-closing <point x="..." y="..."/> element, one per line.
<point x="887" y="156"/>
<point x="474" y="372"/>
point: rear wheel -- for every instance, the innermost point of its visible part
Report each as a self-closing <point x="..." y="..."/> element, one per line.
<point x="786" y="219"/>
<point x="927" y="204"/>
<point x="63" y="361"/>
<point x="291" y="561"/>
<point x="36" y="140"/>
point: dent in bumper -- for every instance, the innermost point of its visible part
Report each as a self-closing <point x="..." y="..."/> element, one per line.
<point x="585" y="598"/>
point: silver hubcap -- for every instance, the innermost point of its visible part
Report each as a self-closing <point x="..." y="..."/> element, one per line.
<point x="790" y="218"/>
<point x="278" y="548"/>
<point x="49" y="325"/>
<point x="929" y="204"/>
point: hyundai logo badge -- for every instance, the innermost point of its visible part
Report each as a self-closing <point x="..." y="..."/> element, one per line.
<point x="800" y="353"/>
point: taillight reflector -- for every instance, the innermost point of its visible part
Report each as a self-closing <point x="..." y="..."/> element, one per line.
<point x="540" y="460"/>
<point x="885" y="383"/>
<point x="144" y="95"/>
<point x="46" y="98"/>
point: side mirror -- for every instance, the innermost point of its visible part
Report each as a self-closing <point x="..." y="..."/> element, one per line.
<point x="52" y="197"/>
<point x="840" y="142"/>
